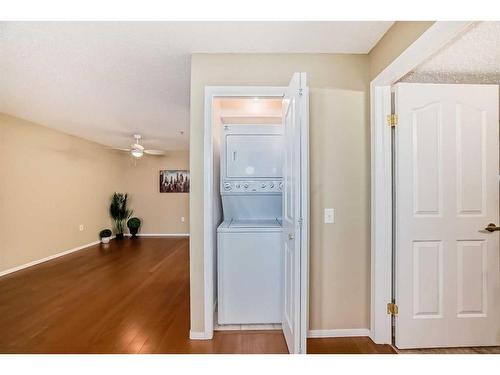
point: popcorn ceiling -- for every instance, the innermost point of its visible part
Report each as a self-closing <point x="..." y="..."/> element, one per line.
<point x="473" y="57"/>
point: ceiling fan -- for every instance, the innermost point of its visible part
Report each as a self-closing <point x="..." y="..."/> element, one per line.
<point x="137" y="150"/>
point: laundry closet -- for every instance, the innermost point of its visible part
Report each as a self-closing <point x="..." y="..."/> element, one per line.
<point x="249" y="255"/>
<point x="256" y="209"/>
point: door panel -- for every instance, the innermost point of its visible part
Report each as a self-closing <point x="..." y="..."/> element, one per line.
<point x="471" y="279"/>
<point x="447" y="265"/>
<point x="471" y="159"/>
<point x="426" y="126"/>
<point x="427" y="279"/>
<point x="294" y="121"/>
<point x="288" y="312"/>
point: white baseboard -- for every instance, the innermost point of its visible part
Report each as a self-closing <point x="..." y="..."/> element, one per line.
<point x="196" y="335"/>
<point x="354" y="332"/>
<point x="315" y="333"/>
<point x="35" y="262"/>
<point x="160" y="234"/>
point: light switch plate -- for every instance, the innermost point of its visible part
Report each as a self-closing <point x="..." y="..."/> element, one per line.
<point x="329" y="216"/>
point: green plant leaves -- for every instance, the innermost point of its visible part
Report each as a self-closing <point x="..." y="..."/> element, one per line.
<point x="118" y="210"/>
<point x="134" y="222"/>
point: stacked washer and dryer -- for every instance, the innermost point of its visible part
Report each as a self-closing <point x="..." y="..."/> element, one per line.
<point x="249" y="240"/>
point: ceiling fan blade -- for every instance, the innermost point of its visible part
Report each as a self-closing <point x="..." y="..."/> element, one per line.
<point x="121" y="149"/>
<point x="154" y="152"/>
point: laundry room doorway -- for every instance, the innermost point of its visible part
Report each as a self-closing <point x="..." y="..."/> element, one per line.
<point x="256" y="204"/>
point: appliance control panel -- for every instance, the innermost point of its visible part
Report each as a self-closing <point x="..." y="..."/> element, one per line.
<point x="246" y="186"/>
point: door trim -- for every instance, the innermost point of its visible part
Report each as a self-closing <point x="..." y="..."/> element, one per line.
<point x="209" y="226"/>
<point x="431" y="41"/>
<point x="304" y="209"/>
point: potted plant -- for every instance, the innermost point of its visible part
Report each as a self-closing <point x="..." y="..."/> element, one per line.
<point x="133" y="225"/>
<point x="105" y="235"/>
<point x="119" y="212"/>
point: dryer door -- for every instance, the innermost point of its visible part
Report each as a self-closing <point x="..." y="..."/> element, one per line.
<point x="253" y="156"/>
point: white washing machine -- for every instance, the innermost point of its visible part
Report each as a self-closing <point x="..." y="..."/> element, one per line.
<point x="249" y="270"/>
<point x="249" y="241"/>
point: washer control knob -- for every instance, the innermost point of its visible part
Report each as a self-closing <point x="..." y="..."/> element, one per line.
<point x="227" y="186"/>
<point x="246" y="185"/>
<point x="263" y="185"/>
<point x="237" y="186"/>
<point x="271" y="185"/>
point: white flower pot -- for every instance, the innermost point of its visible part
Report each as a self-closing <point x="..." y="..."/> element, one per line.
<point x="105" y="239"/>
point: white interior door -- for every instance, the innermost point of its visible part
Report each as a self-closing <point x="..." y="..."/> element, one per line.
<point x="295" y="122"/>
<point x="447" y="265"/>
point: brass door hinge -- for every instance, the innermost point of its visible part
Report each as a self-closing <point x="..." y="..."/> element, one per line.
<point x="392" y="120"/>
<point x="392" y="309"/>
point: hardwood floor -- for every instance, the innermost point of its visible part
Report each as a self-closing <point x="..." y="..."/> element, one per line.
<point x="347" y="345"/>
<point x="130" y="296"/>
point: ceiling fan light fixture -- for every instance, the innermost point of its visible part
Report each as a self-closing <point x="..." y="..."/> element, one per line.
<point x="137" y="152"/>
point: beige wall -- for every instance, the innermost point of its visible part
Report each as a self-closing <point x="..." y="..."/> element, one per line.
<point x="394" y="42"/>
<point x="51" y="182"/>
<point x="339" y="156"/>
<point x="160" y="212"/>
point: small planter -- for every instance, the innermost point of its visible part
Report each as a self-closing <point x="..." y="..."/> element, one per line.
<point x="105" y="235"/>
<point x="133" y="225"/>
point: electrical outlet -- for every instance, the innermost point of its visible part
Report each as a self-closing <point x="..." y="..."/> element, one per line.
<point x="81" y="227"/>
<point x="329" y="216"/>
<point x="182" y="219"/>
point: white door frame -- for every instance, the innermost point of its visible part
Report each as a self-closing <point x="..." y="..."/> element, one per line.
<point x="430" y="42"/>
<point x="209" y="235"/>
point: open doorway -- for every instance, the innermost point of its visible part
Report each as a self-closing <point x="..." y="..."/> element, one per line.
<point x="257" y="205"/>
<point x="248" y="188"/>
